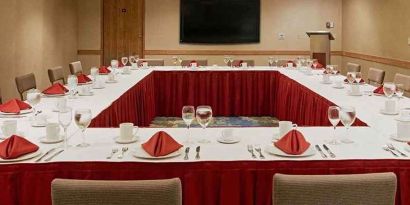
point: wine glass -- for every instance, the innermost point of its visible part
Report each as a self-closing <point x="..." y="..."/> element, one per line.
<point x="72" y="82"/>
<point x="389" y="89"/>
<point x="231" y="61"/>
<point x="226" y="60"/>
<point x="399" y="92"/>
<point x="334" y="118"/>
<point x="270" y="61"/>
<point x="188" y="115"/>
<point x="204" y="117"/>
<point x="33" y="98"/>
<point x="347" y="117"/>
<point x="351" y="77"/>
<point x="65" y="117"/>
<point x="82" y="118"/>
<point x="358" y="77"/>
<point x="180" y="61"/>
<point x="276" y="62"/>
<point x="124" y="61"/>
<point x="175" y="60"/>
<point x="131" y="59"/>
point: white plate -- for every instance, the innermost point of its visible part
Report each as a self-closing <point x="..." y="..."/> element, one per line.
<point x="24" y="157"/>
<point x="354" y="94"/>
<point x="102" y="87"/>
<point x="233" y="140"/>
<point x="271" y="149"/>
<point x="402" y="119"/>
<point x="37" y="124"/>
<point x="132" y="140"/>
<point x="86" y="94"/>
<point x="141" y="153"/>
<point x="382" y="111"/>
<point x="22" y="112"/>
<point x="54" y="95"/>
<point x="394" y="137"/>
<point x="47" y="141"/>
<point x="338" y="87"/>
<point x="109" y="81"/>
<point x="326" y="83"/>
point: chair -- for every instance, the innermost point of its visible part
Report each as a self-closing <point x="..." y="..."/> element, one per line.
<point x="369" y="189"/>
<point x="76" y="68"/>
<point x="200" y="62"/>
<point x="405" y="80"/>
<point x="249" y="62"/>
<point x="91" y="192"/>
<point x="353" y="67"/>
<point x="56" y="74"/>
<point x="24" y="83"/>
<point x="375" y="76"/>
<point x="1" y="98"/>
<point x="153" y="62"/>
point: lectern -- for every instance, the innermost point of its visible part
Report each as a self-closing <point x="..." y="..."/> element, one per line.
<point x="320" y="46"/>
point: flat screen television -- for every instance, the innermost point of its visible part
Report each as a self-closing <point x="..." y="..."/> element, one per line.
<point x="219" y="21"/>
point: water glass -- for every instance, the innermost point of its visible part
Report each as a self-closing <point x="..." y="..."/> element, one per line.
<point x="334" y="118"/>
<point x="389" y="89"/>
<point x="204" y="117"/>
<point x="82" y="118"/>
<point x="347" y="117"/>
<point x="188" y="115"/>
<point x="65" y="117"/>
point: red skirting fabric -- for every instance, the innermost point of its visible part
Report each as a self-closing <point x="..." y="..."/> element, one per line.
<point x="203" y="183"/>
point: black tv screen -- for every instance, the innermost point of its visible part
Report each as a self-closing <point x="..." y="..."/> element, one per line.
<point x="220" y="21"/>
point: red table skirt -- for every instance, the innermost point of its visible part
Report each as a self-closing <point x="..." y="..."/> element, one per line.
<point x="239" y="93"/>
<point x="203" y="183"/>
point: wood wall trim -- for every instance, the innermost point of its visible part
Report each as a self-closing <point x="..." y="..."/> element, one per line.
<point x="90" y="52"/>
<point x="378" y="59"/>
<point x="224" y="52"/>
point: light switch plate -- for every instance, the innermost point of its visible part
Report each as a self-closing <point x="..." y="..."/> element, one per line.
<point x="281" y="36"/>
<point x="408" y="41"/>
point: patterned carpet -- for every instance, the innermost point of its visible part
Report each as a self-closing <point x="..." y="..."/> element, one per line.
<point x="218" y="122"/>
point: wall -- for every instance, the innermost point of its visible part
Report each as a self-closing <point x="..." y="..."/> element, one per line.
<point x="36" y="35"/>
<point x="377" y="28"/>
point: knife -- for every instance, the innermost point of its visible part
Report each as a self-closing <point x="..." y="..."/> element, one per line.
<point x="198" y="149"/>
<point x="52" y="156"/>
<point x="186" y="153"/>
<point x="48" y="152"/>
<point x="321" y="152"/>
<point x="329" y="151"/>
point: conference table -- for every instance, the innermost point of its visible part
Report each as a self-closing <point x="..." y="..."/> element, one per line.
<point x="225" y="173"/>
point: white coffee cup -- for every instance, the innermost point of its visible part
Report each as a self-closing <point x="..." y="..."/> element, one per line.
<point x="227" y="135"/>
<point x="111" y="77"/>
<point x="285" y="127"/>
<point x="9" y="128"/>
<point x="52" y="131"/>
<point x="194" y="65"/>
<point x="94" y="71"/>
<point x="338" y="83"/>
<point x="403" y="129"/>
<point x="126" y="70"/>
<point x="326" y="78"/>
<point x="85" y="90"/>
<point x="390" y="106"/>
<point x="40" y="119"/>
<point x="405" y="113"/>
<point x="355" y="89"/>
<point x="290" y="65"/>
<point x="127" y="131"/>
<point x="60" y="104"/>
<point x="134" y="65"/>
<point x="145" y="64"/>
<point x="244" y="64"/>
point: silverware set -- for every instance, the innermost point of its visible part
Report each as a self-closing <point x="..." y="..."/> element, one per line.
<point x="393" y="150"/>
<point x="117" y="150"/>
<point x="327" y="149"/>
<point x="258" y="149"/>
<point x="50" y="154"/>
<point x="197" y="150"/>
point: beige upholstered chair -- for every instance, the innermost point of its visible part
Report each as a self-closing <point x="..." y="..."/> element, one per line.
<point x="76" y="68"/>
<point x="369" y="189"/>
<point x="405" y="80"/>
<point x="353" y="67"/>
<point x="249" y="62"/>
<point x="56" y="74"/>
<point x="375" y="76"/>
<point x="24" y="83"/>
<point x="200" y="62"/>
<point x="148" y="192"/>
<point x="153" y="62"/>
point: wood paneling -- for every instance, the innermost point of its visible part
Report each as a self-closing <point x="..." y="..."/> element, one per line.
<point x="377" y="59"/>
<point x="230" y="52"/>
<point x="123" y="28"/>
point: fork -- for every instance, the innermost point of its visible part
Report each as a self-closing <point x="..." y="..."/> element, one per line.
<point x="113" y="151"/>
<point x="259" y="150"/>
<point x="391" y="146"/>
<point x="124" y="149"/>
<point x="250" y="150"/>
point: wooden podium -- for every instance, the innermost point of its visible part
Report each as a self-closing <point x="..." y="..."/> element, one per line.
<point x="320" y="46"/>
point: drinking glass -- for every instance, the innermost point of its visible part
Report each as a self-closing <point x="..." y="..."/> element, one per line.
<point x="65" y="117"/>
<point x="231" y="61"/>
<point x="72" y="82"/>
<point x="347" y="117"/>
<point x="399" y="90"/>
<point x="131" y="59"/>
<point x="175" y="60"/>
<point x="180" y="61"/>
<point x="82" y="118"/>
<point x="33" y="98"/>
<point x="226" y="60"/>
<point x="270" y="61"/>
<point x="358" y="77"/>
<point x="276" y="62"/>
<point x="188" y="115"/>
<point x="334" y="118"/>
<point x="204" y="117"/>
<point x="114" y="66"/>
<point x="389" y="89"/>
<point x="124" y="61"/>
<point x="351" y="76"/>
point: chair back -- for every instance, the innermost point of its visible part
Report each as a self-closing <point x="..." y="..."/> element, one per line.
<point x="94" y="192"/>
<point x="153" y="62"/>
<point x="353" y="67"/>
<point x="405" y="80"/>
<point x="24" y="83"/>
<point x="56" y="74"/>
<point x="76" y="68"/>
<point x="369" y="189"/>
<point x="186" y="63"/>
<point x="375" y="76"/>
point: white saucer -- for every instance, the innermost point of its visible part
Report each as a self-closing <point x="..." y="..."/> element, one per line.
<point x="46" y="141"/>
<point x="354" y="94"/>
<point x="141" y="153"/>
<point x="382" y="111"/>
<point x="271" y="149"/>
<point x="101" y="87"/>
<point x="132" y="140"/>
<point x="54" y="95"/>
<point x="37" y="124"/>
<point x="326" y="83"/>
<point x="126" y="73"/>
<point x="233" y="140"/>
<point x="22" y="112"/>
<point x="394" y="137"/>
<point x="87" y="83"/>
<point x="402" y="119"/>
<point x="24" y="157"/>
<point x="338" y="87"/>
<point x="113" y="81"/>
<point x="86" y="94"/>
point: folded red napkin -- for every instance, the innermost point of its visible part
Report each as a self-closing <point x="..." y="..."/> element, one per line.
<point x="337" y="72"/>
<point x="14" y="106"/>
<point x="293" y="143"/>
<point x="379" y="90"/>
<point x="346" y="81"/>
<point x="16" y="146"/>
<point x="192" y="62"/>
<point x="55" y="89"/>
<point x="318" y="66"/>
<point x="83" y="78"/>
<point x="161" y="144"/>
<point x="104" y="70"/>
<point x="237" y="63"/>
